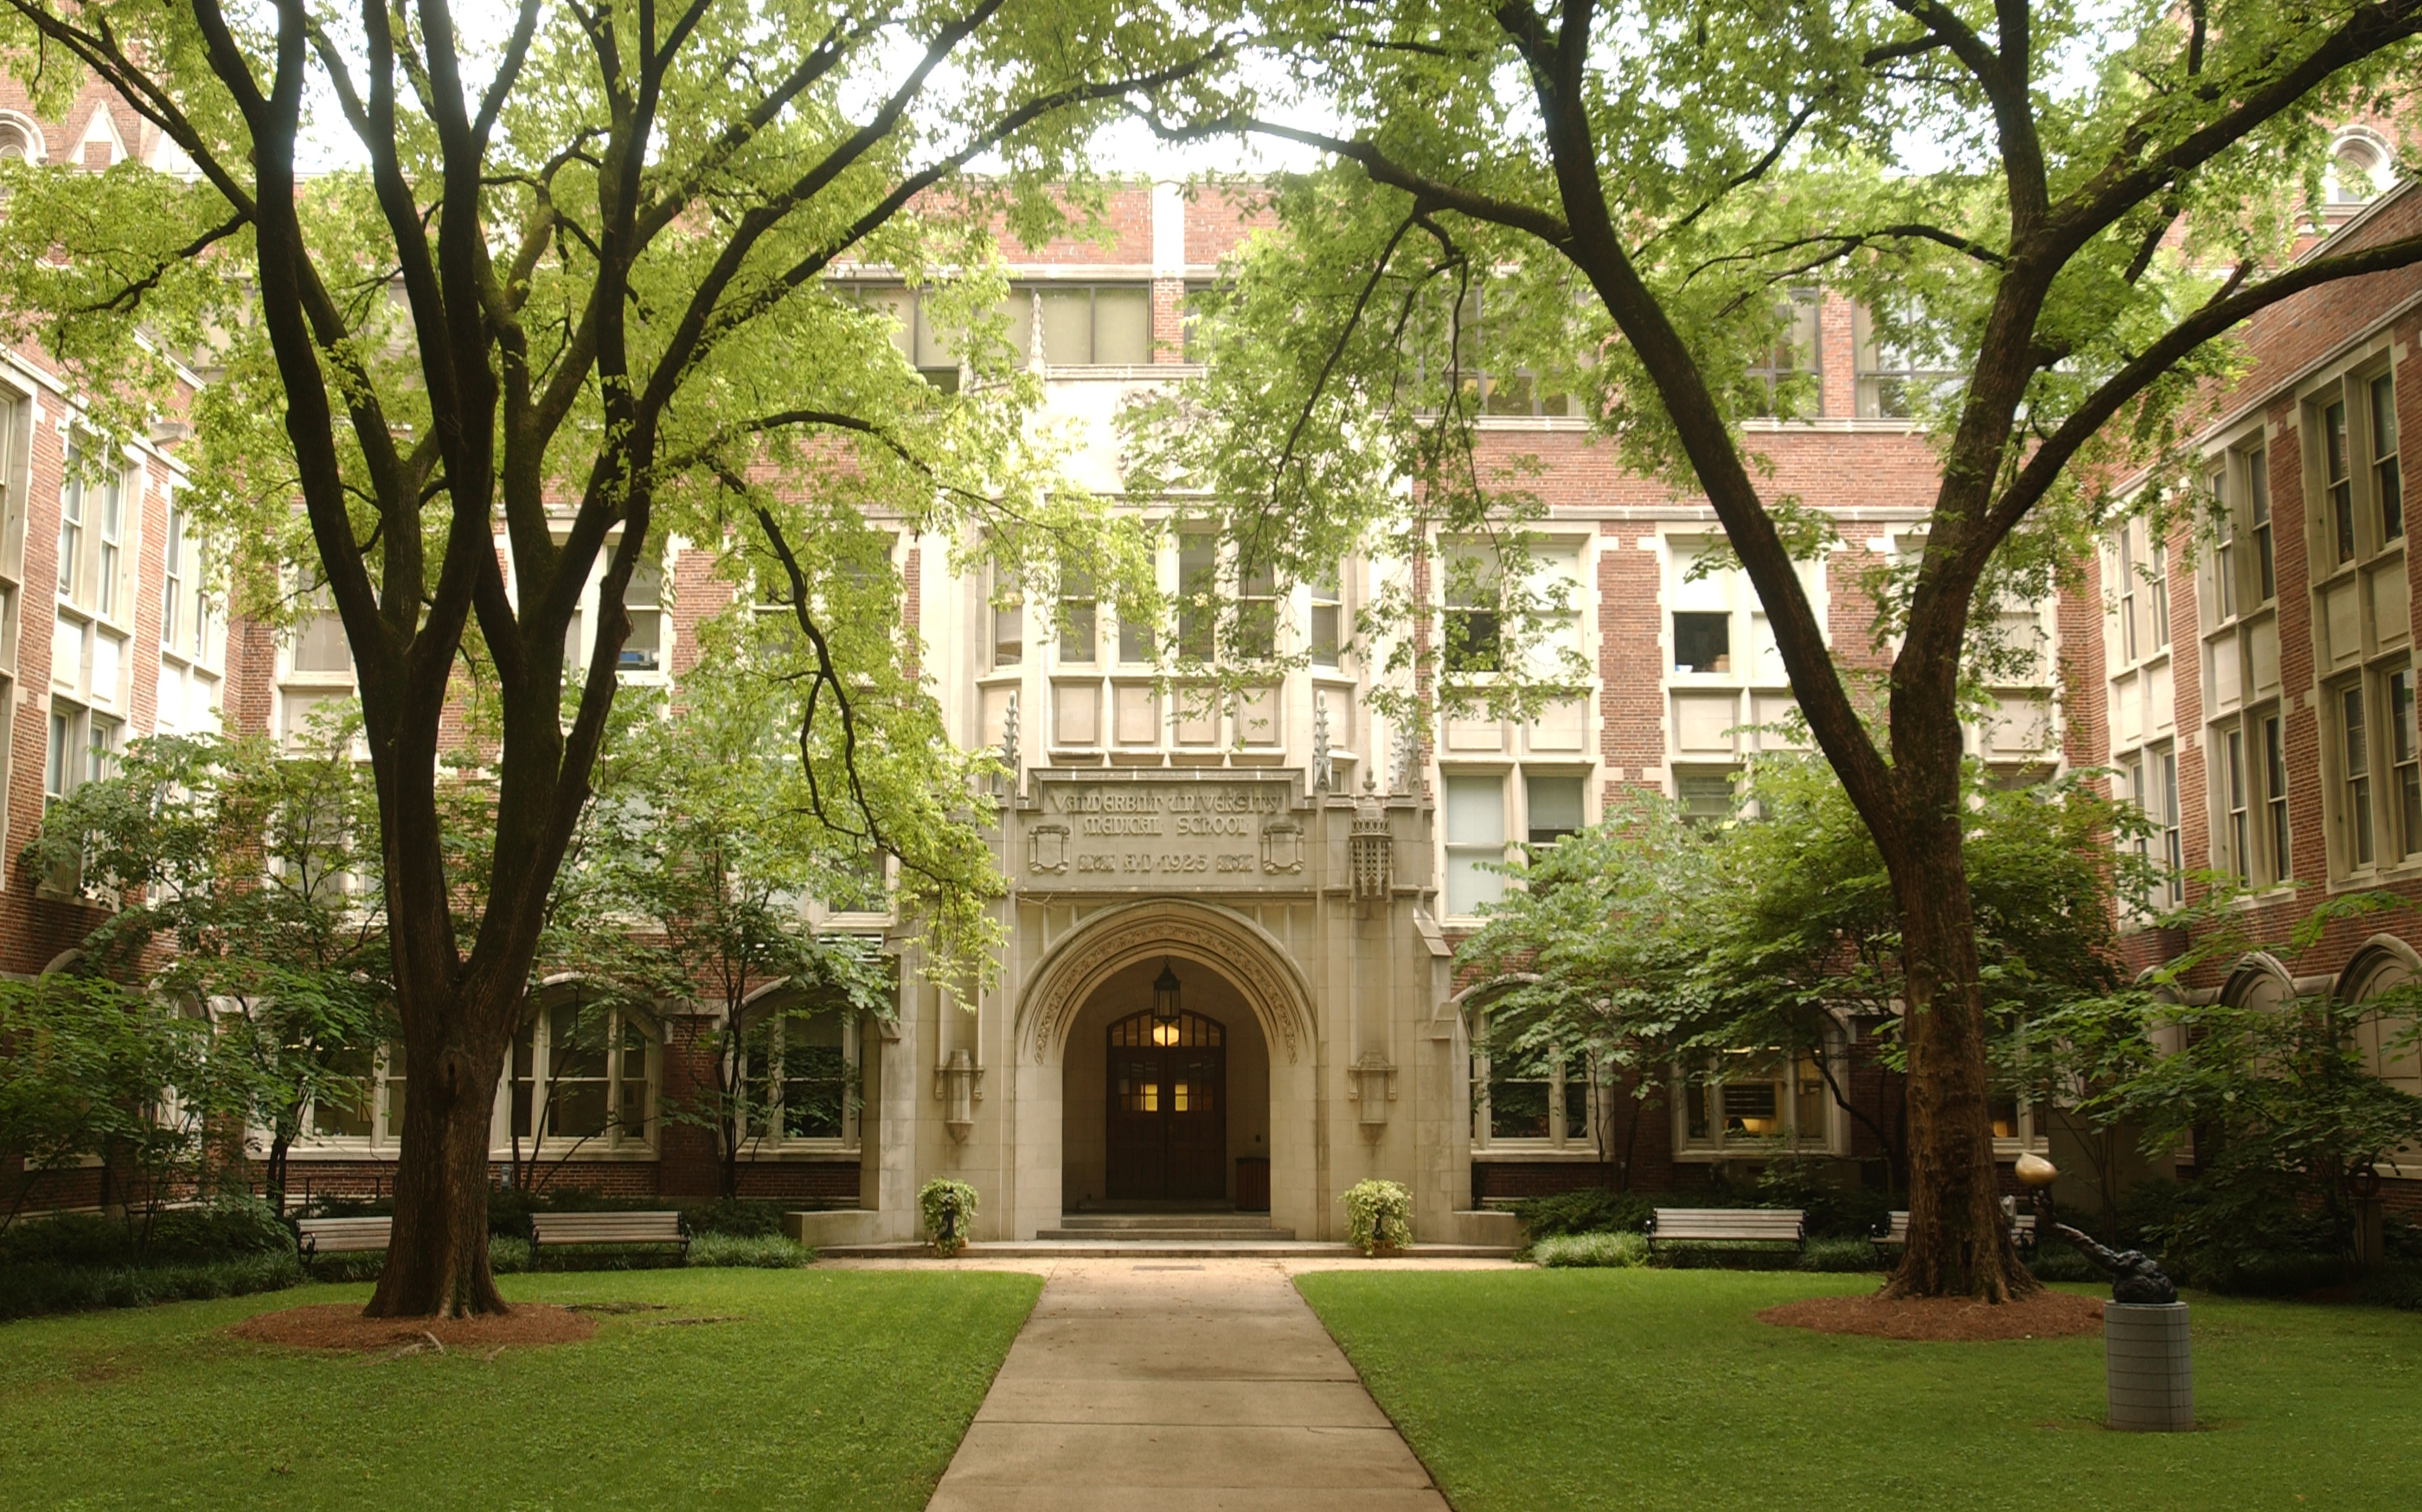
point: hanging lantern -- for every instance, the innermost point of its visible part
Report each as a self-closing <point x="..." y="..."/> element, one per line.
<point x="1164" y="995"/>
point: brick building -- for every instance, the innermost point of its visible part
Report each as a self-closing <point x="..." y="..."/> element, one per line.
<point x="1307" y="924"/>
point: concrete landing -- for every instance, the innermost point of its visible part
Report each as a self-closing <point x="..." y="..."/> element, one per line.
<point x="1184" y="1387"/>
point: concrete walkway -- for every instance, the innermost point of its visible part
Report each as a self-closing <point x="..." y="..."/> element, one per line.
<point x="1179" y="1386"/>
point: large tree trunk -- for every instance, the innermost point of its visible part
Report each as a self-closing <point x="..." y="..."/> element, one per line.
<point x="437" y="1257"/>
<point x="1958" y="1242"/>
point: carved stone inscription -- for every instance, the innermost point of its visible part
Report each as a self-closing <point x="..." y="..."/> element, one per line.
<point x="1152" y="835"/>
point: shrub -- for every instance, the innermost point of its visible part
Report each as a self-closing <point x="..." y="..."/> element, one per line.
<point x="27" y="1290"/>
<point x="508" y="1254"/>
<point x="762" y="1252"/>
<point x="1837" y="1253"/>
<point x="2056" y="1259"/>
<point x="221" y="1229"/>
<point x="1626" y="1250"/>
<point x="76" y="1239"/>
<point x="737" y="1217"/>
<point x="1834" y="1209"/>
<point x="1696" y="1255"/>
<point x="1588" y="1210"/>
<point x="2397" y="1283"/>
<point x="1377" y="1213"/>
<point x="949" y="1212"/>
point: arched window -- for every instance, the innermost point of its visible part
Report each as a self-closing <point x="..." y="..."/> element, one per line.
<point x="587" y="1073"/>
<point x="19" y="139"/>
<point x="2359" y="167"/>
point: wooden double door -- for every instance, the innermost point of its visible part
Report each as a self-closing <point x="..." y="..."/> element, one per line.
<point x="1166" y="1129"/>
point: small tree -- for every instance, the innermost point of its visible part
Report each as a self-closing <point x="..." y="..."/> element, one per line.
<point x="92" y="1068"/>
<point x="259" y="868"/>
<point x="715" y="847"/>
<point x="1658" y="942"/>
<point x="2279" y="1095"/>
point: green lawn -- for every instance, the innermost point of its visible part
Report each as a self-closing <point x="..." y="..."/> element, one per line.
<point x="1642" y="1389"/>
<point x="837" y="1388"/>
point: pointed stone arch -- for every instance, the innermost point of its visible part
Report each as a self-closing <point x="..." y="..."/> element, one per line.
<point x="1219" y="939"/>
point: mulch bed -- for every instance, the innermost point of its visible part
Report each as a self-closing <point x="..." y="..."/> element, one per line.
<point x="340" y="1326"/>
<point x="2047" y="1315"/>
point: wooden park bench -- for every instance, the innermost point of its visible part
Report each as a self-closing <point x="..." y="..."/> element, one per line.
<point x="1729" y="1225"/>
<point x="340" y="1235"/>
<point x="1895" y="1233"/>
<point x="548" y="1229"/>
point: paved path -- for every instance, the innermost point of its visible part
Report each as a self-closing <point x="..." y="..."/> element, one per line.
<point x="1179" y="1387"/>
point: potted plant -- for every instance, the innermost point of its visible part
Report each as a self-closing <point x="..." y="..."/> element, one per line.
<point x="950" y="1210"/>
<point x="1378" y="1216"/>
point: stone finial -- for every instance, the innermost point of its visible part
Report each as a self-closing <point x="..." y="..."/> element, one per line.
<point x="1320" y="774"/>
<point x="1009" y="737"/>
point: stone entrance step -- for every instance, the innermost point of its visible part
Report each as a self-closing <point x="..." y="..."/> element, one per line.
<point x="1157" y="1250"/>
<point x="1189" y="1227"/>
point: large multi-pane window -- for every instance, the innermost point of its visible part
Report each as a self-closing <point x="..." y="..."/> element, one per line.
<point x="799" y="1076"/>
<point x="2362" y="620"/>
<point x="1530" y="1097"/>
<point x="2355" y="774"/>
<point x="2249" y="779"/>
<point x="1749" y="1100"/>
<point x="1080" y="324"/>
<point x="1326" y="636"/>
<point x="368" y="1115"/>
<point x="191" y="648"/>
<point x="584" y="1074"/>
<point x="1080" y="631"/>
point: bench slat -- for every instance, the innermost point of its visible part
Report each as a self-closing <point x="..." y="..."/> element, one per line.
<point x="606" y="1228"/>
<point x="1765" y="1224"/>
<point x="343" y="1235"/>
<point x="2022" y="1229"/>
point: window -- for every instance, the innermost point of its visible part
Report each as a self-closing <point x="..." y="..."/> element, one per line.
<point x="2232" y="767"/>
<point x="1553" y="807"/>
<point x="71" y="531"/>
<point x="2274" y="800"/>
<point x="321" y="646"/>
<point x="1703" y="642"/>
<point x="2388" y="487"/>
<point x="2405" y="761"/>
<point x="2165" y="814"/>
<point x="2224" y="553"/>
<point x="1095" y="325"/>
<point x="1475" y="625"/>
<point x="1197" y="588"/>
<point x="2161" y="596"/>
<point x="2127" y="587"/>
<point x="1257" y="613"/>
<point x="1080" y="635"/>
<point x="584" y="1073"/>
<point x="2258" y="500"/>
<point x="172" y="576"/>
<point x="1328" y="621"/>
<point x="373" y="1114"/>
<point x="2358" y="167"/>
<point x="1475" y="840"/>
<point x="1758" y="1099"/>
<point x="1794" y="352"/>
<point x="2356" y="775"/>
<point x="1008" y="615"/>
<point x="1892" y="384"/>
<point x="798" y="1082"/>
<point x="2340" y="481"/>
<point x="643" y="599"/>
<point x="1704" y="795"/>
<point x="1536" y="1096"/>
<point x="105" y="568"/>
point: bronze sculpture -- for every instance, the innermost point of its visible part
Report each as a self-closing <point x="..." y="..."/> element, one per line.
<point x="2135" y="1277"/>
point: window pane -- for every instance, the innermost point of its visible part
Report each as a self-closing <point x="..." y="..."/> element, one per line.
<point x="1475" y="811"/>
<point x="1068" y="327"/>
<point x="1123" y="328"/>
<point x="1555" y="805"/>
<point x="321" y="647"/>
<point x="1703" y="642"/>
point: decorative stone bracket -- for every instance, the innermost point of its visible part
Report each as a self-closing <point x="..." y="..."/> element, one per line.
<point x="1371" y="1082"/>
<point x="958" y="1085"/>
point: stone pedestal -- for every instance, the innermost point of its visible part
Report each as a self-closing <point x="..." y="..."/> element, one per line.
<point x="2146" y="1367"/>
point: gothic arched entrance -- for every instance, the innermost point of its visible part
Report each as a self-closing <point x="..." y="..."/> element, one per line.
<point x="1164" y="1109"/>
